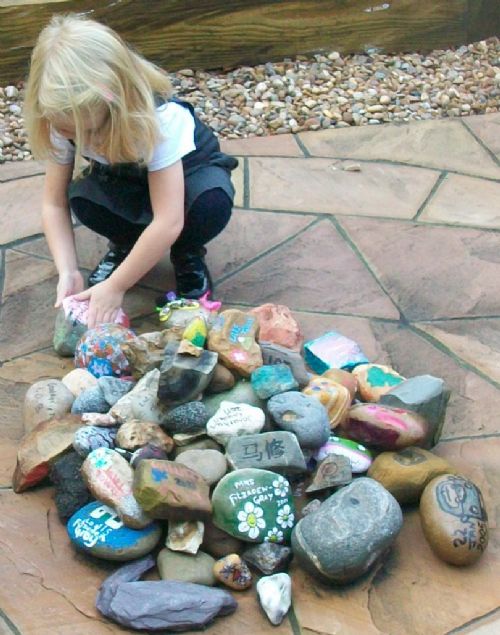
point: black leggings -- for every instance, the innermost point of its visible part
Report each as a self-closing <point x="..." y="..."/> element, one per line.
<point x="206" y="218"/>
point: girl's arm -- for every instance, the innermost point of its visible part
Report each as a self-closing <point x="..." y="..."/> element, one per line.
<point x="56" y="222"/>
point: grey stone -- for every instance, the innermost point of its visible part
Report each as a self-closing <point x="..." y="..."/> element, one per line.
<point x="351" y="530"/>
<point x="268" y="557"/>
<point x="333" y="471"/>
<point x="305" y="416"/>
<point x="90" y="438"/>
<point x="278" y="451"/>
<point x="187" y="418"/>
<point x="185" y="567"/>
<point x="242" y="392"/>
<point x="211" y="464"/>
<point x="311" y="507"/>
<point x="90" y="400"/>
<point x="276" y="354"/>
<point x="114" y="388"/>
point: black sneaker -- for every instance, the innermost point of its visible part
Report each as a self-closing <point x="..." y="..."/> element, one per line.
<point x="111" y="261"/>
<point x="192" y="276"/>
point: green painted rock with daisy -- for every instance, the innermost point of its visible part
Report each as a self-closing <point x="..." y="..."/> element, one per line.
<point x="254" y="505"/>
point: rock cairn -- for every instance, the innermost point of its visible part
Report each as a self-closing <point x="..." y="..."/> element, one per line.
<point x="219" y="467"/>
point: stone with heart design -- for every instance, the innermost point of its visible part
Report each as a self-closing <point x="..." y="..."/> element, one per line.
<point x="375" y="380"/>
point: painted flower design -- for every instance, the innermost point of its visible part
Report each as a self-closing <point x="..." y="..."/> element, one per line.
<point x="274" y="535"/>
<point x="251" y="520"/>
<point x="285" y="517"/>
<point x="101" y="458"/>
<point x="280" y="486"/>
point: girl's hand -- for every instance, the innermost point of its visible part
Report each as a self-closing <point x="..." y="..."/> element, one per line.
<point x="105" y="300"/>
<point x="70" y="282"/>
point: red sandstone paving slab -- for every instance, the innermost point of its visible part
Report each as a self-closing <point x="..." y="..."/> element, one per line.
<point x="22" y="271"/>
<point x="442" y="144"/>
<point x="465" y="200"/>
<point x="487" y="128"/>
<point x="283" y="145"/>
<point x="431" y="272"/>
<point x="20" y="212"/>
<point x="323" y="186"/>
<point x="19" y="169"/>
<point x="489" y="625"/>
<point x="315" y="271"/>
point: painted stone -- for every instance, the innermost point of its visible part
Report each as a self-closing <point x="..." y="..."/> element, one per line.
<point x="89" y="438"/>
<point x="241" y="393"/>
<point x="268" y="557"/>
<point x="71" y="493"/>
<point x="219" y="543"/>
<point x="351" y="530"/>
<point x="184" y="377"/>
<point x="406" y="473"/>
<point x="427" y="396"/>
<point x="454" y="519"/>
<point x="303" y="415"/>
<point x="211" y="464"/>
<point x="275" y="596"/>
<point x="275" y="354"/>
<point x="185" y="535"/>
<point x="383" y="427"/>
<point x="196" y="332"/>
<point x="182" y="317"/>
<point x="232" y="336"/>
<point x="222" y="379"/>
<point x="272" y="380"/>
<point x="90" y="400"/>
<point x="254" y="505"/>
<point x="145" y="352"/>
<point x="235" y="419"/>
<point x="42" y="447"/>
<point x="44" y="400"/>
<point x="189" y="417"/>
<point x="134" y="434"/>
<point x="160" y="605"/>
<point x="186" y="347"/>
<point x="99" y="419"/>
<point x="333" y="471"/>
<point x="333" y="396"/>
<point x="170" y="490"/>
<point x="141" y="399"/>
<point x="359" y="456"/>
<point x="114" y="388"/>
<point x="147" y="451"/>
<point x="278" y="451"/>
<point x="97" y="530"/>
<point x="109" y="477"/>
<point x="233" y="572"/>
<point x="344" y="378"/>
<point x="202" y="443"/>
<point x="278" y="326"/>
<point x="375" y="380"/>
<point x="99" y="350"/>
<point x="197" y="568"/>
<point x="333" y="350"/>
<point x="79" y="380"/>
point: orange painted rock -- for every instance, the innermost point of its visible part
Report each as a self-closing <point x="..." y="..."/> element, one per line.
<point x="383" y="427"/>
<point x="454" y="519"/>
<point x="375" y="380"/>
<point x="335" y="397"/>
<point x="343" y="377"/>
<point x="277" y="325"/>
<point x="135" y="434"/>
<point x="233" y="572"/>
<point x="233" y="337"/>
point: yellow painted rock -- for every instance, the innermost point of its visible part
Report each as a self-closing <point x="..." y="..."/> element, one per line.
<point x="196" y="332"/>
<point x="335" y="397"/>
<point x="343" y="377"/>
<point x="375" y="380"/>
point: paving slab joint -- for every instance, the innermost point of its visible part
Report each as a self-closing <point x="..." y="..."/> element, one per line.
<point x="441" y="178"/>
<point x="481" y="143"/>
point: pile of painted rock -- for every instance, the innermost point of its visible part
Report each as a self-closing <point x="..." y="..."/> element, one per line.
<point x="217" y="451"/>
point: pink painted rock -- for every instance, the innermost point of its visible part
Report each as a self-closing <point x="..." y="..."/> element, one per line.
<point x="335" y="397"/>
<point x="383" y="427"/>
<point x="375" y="380"/>
<point x="42" y="447"/>
<point x="109" y="478"/>
<point x="277" y="325"/>
<point x="135" y="434"/>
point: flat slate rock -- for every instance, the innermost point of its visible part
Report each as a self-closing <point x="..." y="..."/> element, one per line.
<point x="278" y="451"/>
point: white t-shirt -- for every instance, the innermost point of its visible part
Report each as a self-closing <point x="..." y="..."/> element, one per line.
<point x="176" y="125"/>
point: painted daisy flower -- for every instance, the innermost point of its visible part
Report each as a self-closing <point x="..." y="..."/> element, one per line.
<point x="280" y="486"/>
<point x="251" y="520"/>
<point x="285" y="517"/>
<point x="274" y="535"/>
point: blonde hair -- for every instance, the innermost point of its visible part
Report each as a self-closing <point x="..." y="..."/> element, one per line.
<point x="83" y="70"/>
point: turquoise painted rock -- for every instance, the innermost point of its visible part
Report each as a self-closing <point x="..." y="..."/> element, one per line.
<point x="375" y="380"/>
<point x="254" y="506"/>
<point x="359" y="456"/>
<point x="276" y="354"/>
<point x="278" y="451"/>
<point x="271" y="380"/>
<point x="242" y="392"/>
<point x="97" y="530"/>
<point x="333" y="350"/>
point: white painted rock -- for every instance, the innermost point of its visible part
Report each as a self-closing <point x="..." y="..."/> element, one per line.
<point x="45" y="400"/>
<point x="275" y="596"/>
<point x="79" y="380"/>
<point x="235" y="420"/>
<point x="141" y="402"/>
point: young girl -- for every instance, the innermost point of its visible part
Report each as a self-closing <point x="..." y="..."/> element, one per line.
<point x="156" y="178"/>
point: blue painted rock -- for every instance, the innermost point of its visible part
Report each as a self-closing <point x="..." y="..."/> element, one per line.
<point x="272" y="380"/>
<point x="303" y="415"/>
<point x="234" y="420"/>
<point x="348" y="534"/>
<point x="254" y="505"/>
<point x="383" y="427"/>
<point x="114" y="388"/>
<point x="454" y="519"/>
<point x="359" y="456"/>
<point x="333" y="396"/>
<point x="278" y="451"/>
<point x="89" y="438"/>
<point x="90" y="400"/>
<point x="375" y="380"/>
<point x="333" y="350"/>
<point x="97" y="530"/>
<point x="276" y="354"/>
<point x="242" y="392"/>
<point x="100" y="352"/>
<point x="189" y="417"/>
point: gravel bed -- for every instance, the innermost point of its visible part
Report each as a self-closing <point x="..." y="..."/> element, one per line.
<point x="319" y="91"/>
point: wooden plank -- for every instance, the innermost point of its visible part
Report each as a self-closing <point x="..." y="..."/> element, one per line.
<point x="226" y="33"/>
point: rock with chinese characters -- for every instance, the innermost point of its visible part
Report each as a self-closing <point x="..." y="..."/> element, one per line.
<point x="383" y="427"/>
<point x="333" y="471"/>
<point x="211" y="464"/>
<point x="333" y="350"/>
<point x="406" y="473"/>
<point x="254" y="505"/>
<point x="114" y="388"/>
<point x="278" y="326"/>
<point x="268" y="557"/>
<point x="278" y="451"/>
<point x="109" y="477"/>
<point x="189" y="417"/>
<point x="333" y="396"/>
<point x="196" y="568"/>
<point x="359" y="456"/>
<point x="222" y="379"/>
<point x="134" y="434"/>
<point x="97" y="530"/>
<point x="351" y="530"/>
<point x="185" y="535"/>
<point x="233" y="337"/>
<point x="275" y="596"/>
<point x="272" y="380"/>
<point x="71" y="493"/>
<point x="234" y="420"/>
<point x="233" y="572"/>
<point x="91" y="400"/>
<point x="303" y="415"/>
<point x="45" y="400"/>
<point x="375" y="380"/>
<point x="184" y="377"/>
<point x="166" y="489"/>
<point x="89" y="438"/>
<point x="78" y="380"/>
<point x="242" y="392"/>
<point x="276" y="354"/>
<point x="454" y="519"/>
<point x="42" y="447"/>
<point x="219" y="543"/>
<point x="100" y="350"/>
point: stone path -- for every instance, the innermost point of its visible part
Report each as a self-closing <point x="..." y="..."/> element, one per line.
<point x="403" y="256"/>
